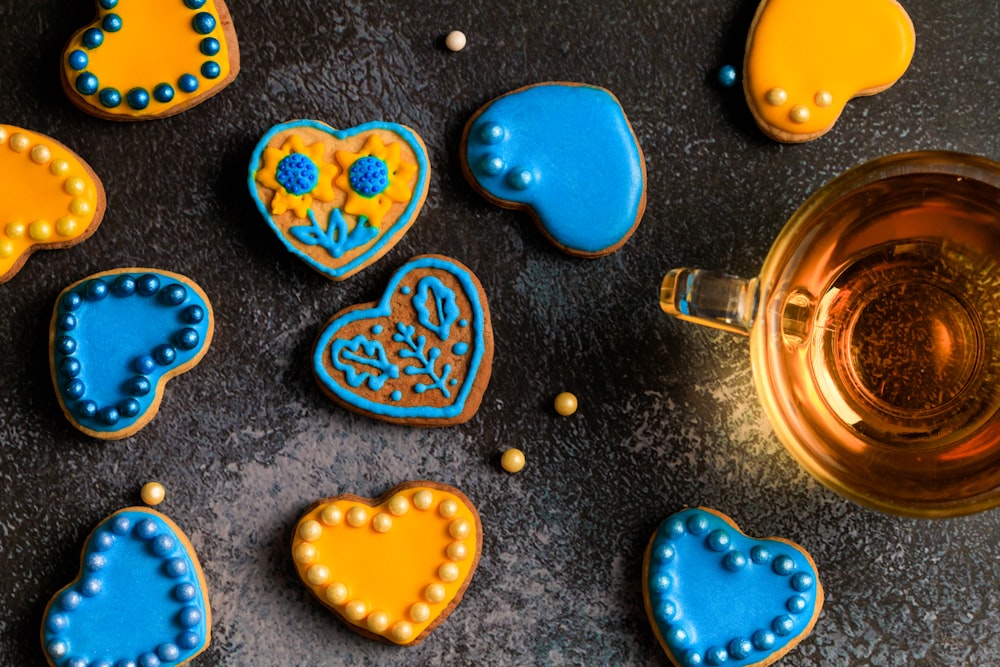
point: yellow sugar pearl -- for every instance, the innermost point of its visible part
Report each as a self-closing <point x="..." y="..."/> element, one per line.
<point x="310" y="530"/>
<point x="66" y="226"/>
<point x="512" y="460"/>
<point x="565" y="404"/>
<point x="799" y="113"/>
<point x="448" y="508"/>
<point x="15" y="230"/>
<point x="823" y="98"/>
<point x="331" y="515"/>
<point x="776" y="97"/>
<point x="304" y="553"/>
<point x="460" y="529"/>
<point x="378" y="621"/>
<point x="420" y="612"/>
<point x="318" y="575"/>
<point x="152" y="493"/>
<point x="337" y="593"/>
<point x="79" y="207"/>
<point x="19" y="142"/>
<point x="40" y="230"/>
<point x="6" y="248"/>
<point x="423" y="500"/>
<point x="399" y="505"/>
<point x="402" y="632"/>
<point x="75" y="185"/>
<point x="434" y="593"/>
<point x="59" y="167"/>
<point x="457" y="551"/>
<point x="382" y="523"/>
<point x="357" y="516"/>
<point x="448" y="572"/>
<point x="40" y="154"/>
<point x="356" y="610"/>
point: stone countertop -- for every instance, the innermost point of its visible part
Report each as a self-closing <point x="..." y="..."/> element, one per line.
<point x="668" y="417"/>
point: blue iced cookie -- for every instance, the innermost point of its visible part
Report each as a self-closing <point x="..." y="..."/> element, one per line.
<point x="566" y="153"/>
<point x="717" y="597"/>
<point x="139" y="599"/>
<point x="422" y="355"/>
<point x="116" y="338"/>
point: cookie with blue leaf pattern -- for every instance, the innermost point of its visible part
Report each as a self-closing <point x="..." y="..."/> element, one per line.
<point x="421" y="356"/>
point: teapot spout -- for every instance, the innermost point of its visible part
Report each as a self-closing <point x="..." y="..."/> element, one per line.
<point x="712" y="299"/>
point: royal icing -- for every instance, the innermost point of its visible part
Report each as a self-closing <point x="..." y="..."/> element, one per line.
<point x="394" y="567"/>
<point x="140" y="598"/>
<point x="805" y="60"/>
<point x="567" y="154"/>
<point x="117" y="337"/>
<point x="143" y="59"/>
<point x="339" y="199"/>
<point x="428" y="341"/>
<point x="52" y="197"/>
<point x="716" y="596"/>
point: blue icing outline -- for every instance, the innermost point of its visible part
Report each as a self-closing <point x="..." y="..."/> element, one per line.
<point x="131" y="596"/>
<point x="704" y="598"/>
<point x="107" y="366"/>
<point x="383" y="309"/>
<point x="386" y="235"/>
<point x="555" y="149"/>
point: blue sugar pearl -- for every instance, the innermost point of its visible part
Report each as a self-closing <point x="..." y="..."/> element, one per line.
<point x="129" y="407"/>
<point x="58" y="622"/>
<point x="176" y="567"/>
<point x="86" y="409"/>
<point x="138" y="98"/>
<point x="173" y="295"/>
<point x="163" y="93"/>
<point x="369" y="176"/>
<point x="194" y="4"/>
<point x="69" y="367"/>
<point x="783" y="625"/>
<point x="692" y="658"/>
<point x="740" y="648"/>
<point x="193" y="314"/>
<point x="760" y="555"/>
<point x="165" y="354"/>
<point x="163" y="545"/>
<point x="168" y="652"/>
<point x="120" y="525"/>
<point x="90" y="587"/>
<point x="520" y="179"/>
<point x="734" y="561"/>
<point x="108" y="415"/>
<point x="78" y="662"/>
<point x="716" y="655"/>
<point x="718" y="540"/>
<point x="125" y="663"/>
<point x="802" y="581"/>
<point x="70" y="600"/>
<point x="674" y="528"/>
<point x="72" y="301"/>
<point x="96" y="290"/>
<point x="77" y="60"/>
<point x="139" y="386"/>
<point x="148" y="285"/>
<point x="492" y="165"/>
<point x="93" y="38"/>
<point x="663" y="551"/>
<point x="188" y="640"/>
<point x="112" y="23"/>
<point x="783" y="565"/>
<point x="210" y="46"/>
<point x="110" y="98"/>
<point x="123" y="286"/>
<point x="58" y="649"/>
<point x="185" y="592"/>
<point x="677" y="635"/>
<point x="763" y="640"/>
<point x="665" y="610"/>
<point x="211" y="69"/>
<point x="75" y="389"/>
<point x="95" y="562"/>
<point x="109" y="4"/>
<point x="187" y="339"/>
<point x="66" y="322"/>
<point x="492" y="133"/>
<point x="697" y="524"/>
<point x="659" y="583"/>
<point x="188" y="83"/>
<point x="297" y="174"/>
<point x="146" y="529"/>
<point x="144" y="364"/>
<point x="148" y="660"/>
<point x="796" y="604"/>
<point x="87" y="84"/>
<point x="66" y="345"/>
<point x="190" y="617"/>
<point x="203" y="23"/>
<point x="727" y="75"/>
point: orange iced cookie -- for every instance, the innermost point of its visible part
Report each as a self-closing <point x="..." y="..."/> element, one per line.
<point x="141" y="59"/>
<point x="53" y="199"/>
<point x="392" y="568"/>
<point x="805" y="60"/>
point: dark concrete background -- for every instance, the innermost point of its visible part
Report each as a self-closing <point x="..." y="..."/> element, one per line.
<point x="667" y="418"/>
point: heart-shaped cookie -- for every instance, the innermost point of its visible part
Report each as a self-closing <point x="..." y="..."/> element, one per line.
<point x="116" y="338"/>
<point x="421" y="356"/>
<point x="52" y="198"/>
<point x="392" y="568"/>
<point x="805" y="60"/>
<point x="140" y="60"/>
<point x="139" y="599"/>
<point x="715" y="596"/>
<point x="339" y="199"/>
<point x="566" y="154"/>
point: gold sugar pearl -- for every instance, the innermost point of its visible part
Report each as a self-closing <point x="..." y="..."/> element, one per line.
<point x="331" y="515"/>
<point x="799" y="114"/>
<point x="776" y="97"/>
<point x="399" y="505"/>
<point x="423" y="500"/>
<point x="448" y="572"/>
<point x="402" y="632"/>
<point x="378" y="621"/>
<point x="310" y="530"/>
<point x="66" y="226"/>
<point x="382" y="523"/>
<point x="75" y="185"/>
<point x="6" y="248"/>
<point x="40" y="230"/>
<point x="152" y="493"/>
<point x="79" y="207"/>
<point x="565" y="404"/>
<point x="823" y="98"/>
<point x="460" y="529"/>
<point x="356" y="610"/>
<point x="420" y="612"/>
<point x="512" y="460"/>
<point x="15" y="230"/>
<point x="337" y="593"/>
<point x="304" y="553"/>
<point x="434" y="593"/>
<point x="19" y="142"/>
<point x="457" y="551"/>
<point x="40" y="154"/>
<point x="59" y="167"/>
<point x="448" y="508"/>
<point x="357" y="516"/>
<point x="318" y="575"/>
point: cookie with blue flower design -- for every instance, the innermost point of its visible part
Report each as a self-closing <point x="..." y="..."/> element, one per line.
<point x="339" y="199"/>
<point x="421" y="356"/>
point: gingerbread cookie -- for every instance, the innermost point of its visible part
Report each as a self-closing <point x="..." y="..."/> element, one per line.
<point x="566" y="154"/>
<point x="421" y="356"/>
<point x="141" y="60"/>
<point x="805" y="60"/>
<point x="715" y="596"/>
<point x="339" y="199"/>
<point x="53" y="198"/>
<point x="392" y="568"/>
<point x="116" y="338"/>
<point x="140" y="597"/>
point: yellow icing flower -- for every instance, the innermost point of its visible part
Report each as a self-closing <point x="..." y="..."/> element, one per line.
<point x="297" y="174"/>
<point x="374" y="179"/>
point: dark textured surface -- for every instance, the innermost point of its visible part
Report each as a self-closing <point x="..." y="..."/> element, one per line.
<point x="667" y="417"/>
